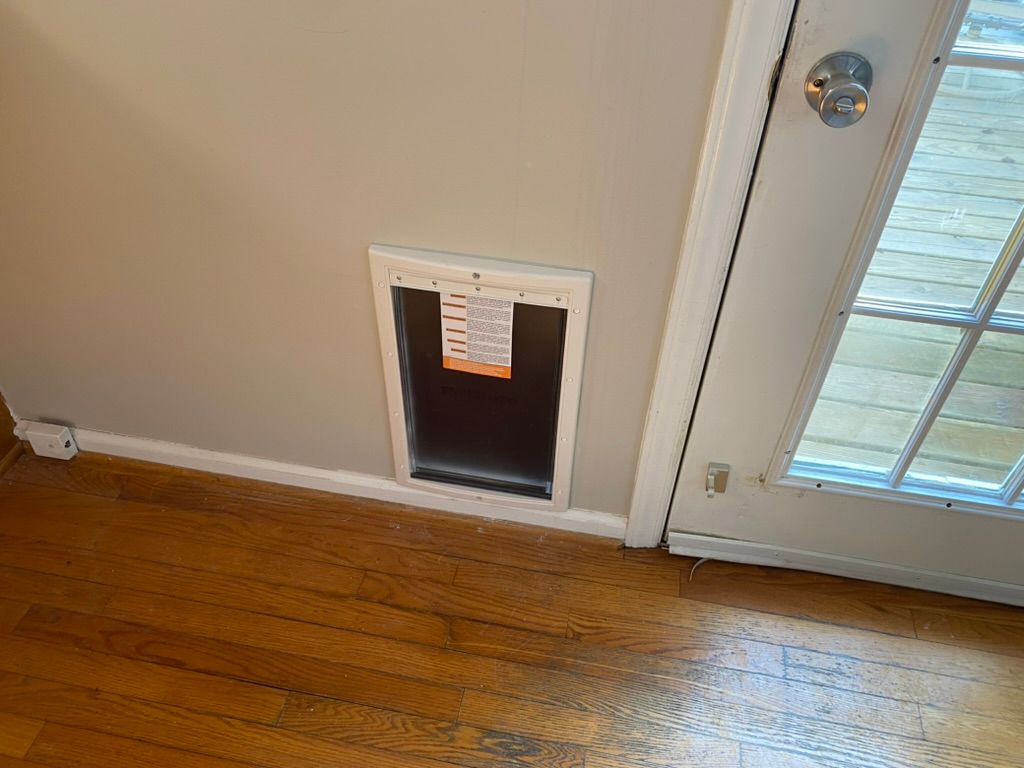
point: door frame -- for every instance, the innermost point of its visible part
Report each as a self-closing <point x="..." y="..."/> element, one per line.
<point x="754" y="44"/>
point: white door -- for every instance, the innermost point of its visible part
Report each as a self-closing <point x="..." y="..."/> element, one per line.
<point x="865" y="382"/>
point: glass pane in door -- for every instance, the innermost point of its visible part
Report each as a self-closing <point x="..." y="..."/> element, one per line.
<point x="880" y="379"/>
<point x="993" y="24"/>
<point x="1012" y="305"/>
<point x="979" y="434"/>
<point x="960" y="197"/>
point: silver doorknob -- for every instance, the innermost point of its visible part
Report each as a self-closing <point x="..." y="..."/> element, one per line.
<point x="837" y="88"/>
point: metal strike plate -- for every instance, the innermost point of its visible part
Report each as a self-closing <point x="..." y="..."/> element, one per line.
<point x="718" y="478"/>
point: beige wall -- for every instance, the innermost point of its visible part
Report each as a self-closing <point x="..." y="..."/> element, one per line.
<point x="188" y="189"/>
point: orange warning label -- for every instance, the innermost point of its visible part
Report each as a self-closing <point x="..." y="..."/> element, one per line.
<point x="483" y="369"/>
<point x="476" y="334"/>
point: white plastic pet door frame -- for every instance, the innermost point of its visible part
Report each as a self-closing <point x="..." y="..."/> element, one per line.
<point x="452" y="430"/>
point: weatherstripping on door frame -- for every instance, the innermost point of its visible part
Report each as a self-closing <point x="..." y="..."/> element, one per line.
<point x="564" y="289"/>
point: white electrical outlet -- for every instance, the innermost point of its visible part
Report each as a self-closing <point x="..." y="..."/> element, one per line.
<point x="51" y="440"/>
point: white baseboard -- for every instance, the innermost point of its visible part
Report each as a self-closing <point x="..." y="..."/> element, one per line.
<point x="339" y="481"/>
<point x="754" y="553"/>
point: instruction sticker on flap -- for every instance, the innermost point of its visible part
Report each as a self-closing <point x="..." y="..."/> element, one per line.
<point x="476" y="334"/>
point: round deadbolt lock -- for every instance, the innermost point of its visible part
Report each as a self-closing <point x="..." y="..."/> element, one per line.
<point x="837" y="88"/>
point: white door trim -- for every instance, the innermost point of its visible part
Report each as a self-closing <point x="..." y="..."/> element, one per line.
<point x="756" y="553"/>
<point x="754" y="41"/>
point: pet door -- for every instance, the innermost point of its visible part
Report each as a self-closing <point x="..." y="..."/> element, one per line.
<point x="482" y="362"/>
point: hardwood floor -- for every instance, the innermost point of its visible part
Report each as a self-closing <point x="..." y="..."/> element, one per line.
<point x="10" y="446"/>
<point x="161" y="617"/>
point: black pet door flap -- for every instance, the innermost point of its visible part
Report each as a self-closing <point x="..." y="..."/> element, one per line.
<point x="474" y="428"/>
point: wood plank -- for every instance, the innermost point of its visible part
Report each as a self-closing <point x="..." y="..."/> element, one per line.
<point x="925" y="688"/>
<point x="938" y="272"/>
<point x="236" y="661"/>
<point x="971" y="148"/>
<point x="655" y="556"/>
<point x="17" y="734"/>
<point x="597" y="760"/>
<point x="91" y="477"/>
<point x="11" y="612"/>
<point x="753" y="756"/>
<point x="802" y="594"/>
<point x="525" y="609"/>
<point x="940" y="199"/>
<point x="222" y="589"/>
<point x="984" y="452"/>
<point x="630" y="699"/>
<point x="25" y="518"/>
<point x="60" y="746"/>
<point x="183" y="729"/>
<point x="9" y="458"/>
<point x="983" y="734"/>
<point x="245" y="530"/>
<point x="455" y="743"/>
<point x="8" y="442"/>
<point x="441" y="667"/>
<point x="896" y="390"/>
<point x="970" y="224"/>
<point x="16" y="762"/>
<point x="614" y="603"/>
<point x="1002" y="189"/>
<point x="586" y="557"/>
<point x="615" y="736"/>
<point x="970" y="632"/>
<point x="28" y="586"/>
<point x="682" y="643"/>
<point x="957" y="166"/>
<point x="726" y="685"/>
<point x="140" y="679"/>
<point x="660" y="743"/>
<point x="937" y="244"/>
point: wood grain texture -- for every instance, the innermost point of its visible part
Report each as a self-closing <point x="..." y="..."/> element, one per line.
<point x="11" y="612"/>
<point x="592" y="557"/>
<point x="926" y="688"/>
<point x="45" y="521"/>
<point x="617" y="604"/>
<point x="603" y="734"/>
<point x="10" y="457"/>
<point x="9" y="443"/>
<point x="677" y="642"/>
<point x="28" y="586"/>
<point x="181" y="728"/>
<point x="544" y="612"/>
<point x="158" y="617"/>
<point x="60" y="746"/>
<point x="394" y="731"/>
<point x="982" y="734"/>
<point x="237" y="662"/>
<point x="959" y="630"/>
<point x="91" y="475"/>
<point x="17" y="734"/>
<point x="726" y="685"/>
<point x="220" y="589"/>
<point x="246" y="529"/>
<point x="150" y="681"/>
<point x="814" y="596"/>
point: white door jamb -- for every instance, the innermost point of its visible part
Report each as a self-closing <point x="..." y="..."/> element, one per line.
<point x="754" y="42"/>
